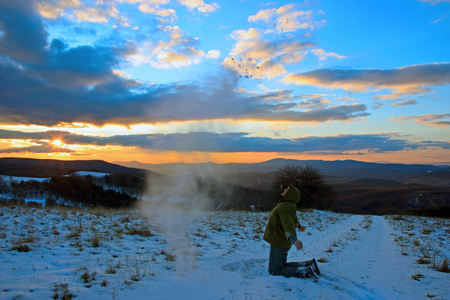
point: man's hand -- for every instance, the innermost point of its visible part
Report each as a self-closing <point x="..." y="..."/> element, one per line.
<point x="301" y="228"/>
<point x="298" y="244"/>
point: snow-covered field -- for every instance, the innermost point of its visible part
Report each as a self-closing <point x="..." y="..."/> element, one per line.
<point x="168" y="254"/>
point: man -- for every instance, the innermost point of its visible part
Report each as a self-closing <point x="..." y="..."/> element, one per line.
<point x="281" y="235"/>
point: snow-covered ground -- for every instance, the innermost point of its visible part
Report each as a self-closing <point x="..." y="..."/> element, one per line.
<point x="20" y="178"/>
<point x="167" y="254"/>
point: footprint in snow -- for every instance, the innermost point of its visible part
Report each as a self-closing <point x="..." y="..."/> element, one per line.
<point x="249" y="268"/>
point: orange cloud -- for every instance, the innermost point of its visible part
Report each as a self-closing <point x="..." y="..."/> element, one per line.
<point x="439" y="120"/>
<point x="406" y="80"/>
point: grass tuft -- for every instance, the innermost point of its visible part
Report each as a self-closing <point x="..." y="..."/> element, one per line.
<point x="417" y="276"/>
<point x="111" y="270"/>
<point x="22" y="248"/>
<point x="423" y="261"/>
<point x="444" y="267"/>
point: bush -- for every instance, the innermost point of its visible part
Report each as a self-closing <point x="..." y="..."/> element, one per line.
<point x="22" y="248"/>
<point x="51" y="202"/>
<point x="315" y="193"/>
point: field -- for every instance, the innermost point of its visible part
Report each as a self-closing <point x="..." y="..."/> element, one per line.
<point x="165" y="253"/>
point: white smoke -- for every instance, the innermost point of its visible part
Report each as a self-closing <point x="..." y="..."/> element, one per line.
<point x="177" y="202"/>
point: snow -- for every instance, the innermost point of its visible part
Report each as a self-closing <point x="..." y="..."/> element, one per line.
<point x="19" y="178"/>
<point x="79" y="173"/>
<point x="162" y="253"/>
<point x="90" y="173"/>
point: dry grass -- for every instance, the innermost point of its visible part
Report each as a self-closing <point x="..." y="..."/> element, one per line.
<point x="423" y="261"/>
<point x="74" y="233"/>
<point x="21" y="248"/>
<point x="142" y="231"/>
<point x="444" y="267"/>
<point x="88" y="277"/>
<point x="431" y="295"/>
<point x="111" y="270"/>
<point x="61" y="291"/>
<point x="95" y="241"/>
<point x="322" y="260"/>
<point x="417" y="276"/>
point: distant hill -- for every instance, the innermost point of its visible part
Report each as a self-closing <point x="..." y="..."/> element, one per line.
<point x="375" y="183"/>
<point x="424" y="200"/>
<point x="441" y="178"/>
<point x="368" y="188"/>
<point x="52" y="167"/>
<point x="350" y="169"/>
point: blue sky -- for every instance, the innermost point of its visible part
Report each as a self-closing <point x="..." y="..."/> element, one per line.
<point x="225" y="81"/>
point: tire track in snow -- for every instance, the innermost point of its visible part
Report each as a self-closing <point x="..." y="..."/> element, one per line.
<point x="373" y="263"/>
<point x="319" y="241"/>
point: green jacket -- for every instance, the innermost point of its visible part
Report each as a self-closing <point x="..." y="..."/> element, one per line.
<point x="283" y="221"/>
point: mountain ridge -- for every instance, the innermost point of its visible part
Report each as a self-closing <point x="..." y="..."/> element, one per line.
<point x="52" y="167"/>
<point x="342" y="168"/>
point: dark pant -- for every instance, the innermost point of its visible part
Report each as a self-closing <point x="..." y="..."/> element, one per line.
<point x="278" y="264"/>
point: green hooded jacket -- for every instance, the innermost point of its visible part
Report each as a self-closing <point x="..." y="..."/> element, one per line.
<point x="283" y="220"/>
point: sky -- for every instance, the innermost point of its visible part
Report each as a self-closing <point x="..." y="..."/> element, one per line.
<point x="160" y="81"/>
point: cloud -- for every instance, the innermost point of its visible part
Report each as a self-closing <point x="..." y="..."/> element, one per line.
<point x="405" y="102"/>
<point x="154" y="9"/>
<point x="177" y="49"/>
<point x="28" y="99"/>
<point x="406" y="80"/>
<point x="440" y="19"/>
<point x="263" y="53"/>
<point x="269" y="96"/>
<point x="200" y="5"/>
<point x="252" y="56"/>
<point x="439" y="120"/>
<point x="56" y="9"/>
<point x="213" y="54"/>
<point x="315" y="103"/>
<point x="387" y="97"/>
<point x="324" y="55"/>
<point x="167" y="47"/>
<point x="56" y="83"/>
<point x="23" y="36"/>
<point x="432" y="2"/>
<point x="79" y="11"/>
<point x="224" y="142"/>
<point x="23" y="45"/>
<point x="287" y="18"/>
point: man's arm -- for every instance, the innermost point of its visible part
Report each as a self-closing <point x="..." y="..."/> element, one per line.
<point x="286" y="213"/>
<point x="297" y="224"/>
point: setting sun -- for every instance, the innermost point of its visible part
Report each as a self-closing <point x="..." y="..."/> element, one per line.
<point x="57" y="143"/>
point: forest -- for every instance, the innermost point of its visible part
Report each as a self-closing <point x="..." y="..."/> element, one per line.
<point x="110" y="191"/>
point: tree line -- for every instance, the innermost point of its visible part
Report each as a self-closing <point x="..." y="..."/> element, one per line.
<point x="121" y="190"/>
<point x="111" y="191"/>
